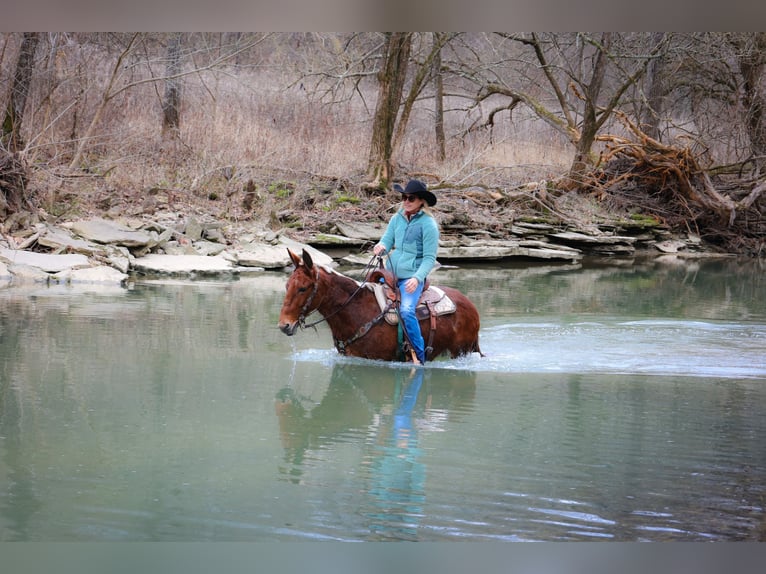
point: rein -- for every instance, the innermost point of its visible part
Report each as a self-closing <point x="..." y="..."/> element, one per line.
<point x="302" y="317"/>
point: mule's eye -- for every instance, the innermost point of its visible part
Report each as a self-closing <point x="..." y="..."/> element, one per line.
<point x="302" y="289"/>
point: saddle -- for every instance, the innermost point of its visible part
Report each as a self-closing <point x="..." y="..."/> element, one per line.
<point x="433" y="301"/>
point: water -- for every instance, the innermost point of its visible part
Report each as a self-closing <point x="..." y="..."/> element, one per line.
<point x="614" y="403"/>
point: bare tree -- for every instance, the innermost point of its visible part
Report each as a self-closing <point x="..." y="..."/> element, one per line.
<point x="424" y="70"/>
<point x="391" y="78"/>
<point x="171" y="103"/>
<point x="751" y="58"/>
<point x="573" y="83"/>
<point x="655" y="88"/>
<point x="441" y="142"/>
<point x="402" y="64"/>
<point x="22" y="78"/>
<point x="121" y="78"/>
<point x="112" y="89"/>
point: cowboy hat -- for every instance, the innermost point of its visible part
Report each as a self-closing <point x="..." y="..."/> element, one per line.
<point x="418" y="188"/>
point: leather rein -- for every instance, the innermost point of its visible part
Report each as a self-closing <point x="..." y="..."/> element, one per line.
<point x="361" y="332"/>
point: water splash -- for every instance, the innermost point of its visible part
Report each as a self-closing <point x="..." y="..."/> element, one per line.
<point x="608" y="346"/>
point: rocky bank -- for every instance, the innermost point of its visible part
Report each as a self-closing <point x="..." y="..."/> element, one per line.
<point x="97" y="250"/>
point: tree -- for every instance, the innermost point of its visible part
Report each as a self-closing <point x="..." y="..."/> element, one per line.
<point x="751" y="60"/>
<point x="573" y="82"/>
<point x="337" y="67"/>
<point x="441" y="142"/>
<point x="396" y="54"/>
<point x="424" y="71"/>
<point x="171" y="103"/>
<point x="22" y="78"/>
<point x="112" y="89"/>
<point x="121" y="77"/>
<point x="652" y="112"/>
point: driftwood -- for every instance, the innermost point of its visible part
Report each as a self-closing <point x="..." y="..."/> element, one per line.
<point x="670" y="183"/>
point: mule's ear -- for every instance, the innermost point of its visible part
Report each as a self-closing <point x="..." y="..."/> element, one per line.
<point x="294" y="257"/>
<point x="307" y="259"/>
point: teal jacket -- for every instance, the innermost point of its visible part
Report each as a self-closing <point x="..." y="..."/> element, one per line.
<point x="411" y="245"/>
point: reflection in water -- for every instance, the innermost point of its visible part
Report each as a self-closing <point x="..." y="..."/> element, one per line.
<point x="19" y="501"/>
<point x="397" y="476"/>
<point x="389" y="407"/>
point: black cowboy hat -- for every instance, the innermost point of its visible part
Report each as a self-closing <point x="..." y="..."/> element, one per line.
<point x="418" y="188"/>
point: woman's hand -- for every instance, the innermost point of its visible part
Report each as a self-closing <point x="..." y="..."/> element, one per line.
<point x="378" y="250"/>
<point x="411" y="284"/>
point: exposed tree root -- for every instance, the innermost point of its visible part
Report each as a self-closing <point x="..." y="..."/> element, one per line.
<point x="670" y="183"/>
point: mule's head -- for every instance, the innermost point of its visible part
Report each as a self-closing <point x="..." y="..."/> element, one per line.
<point x="301" y="292"/>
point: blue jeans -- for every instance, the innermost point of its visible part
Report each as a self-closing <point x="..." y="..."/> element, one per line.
<point x="409" y="320"/>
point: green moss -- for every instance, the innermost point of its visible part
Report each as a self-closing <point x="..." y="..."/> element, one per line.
<point x="343" y="198"/>
<point x="538" y="219"/>
<point x="644" y="220"/>
<point x="281" y="189"/>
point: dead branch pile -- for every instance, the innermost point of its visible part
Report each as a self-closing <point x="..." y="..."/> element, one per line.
<point x="670" y="183"/>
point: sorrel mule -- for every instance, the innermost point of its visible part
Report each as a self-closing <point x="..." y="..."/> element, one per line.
<point x="357" y="322"/>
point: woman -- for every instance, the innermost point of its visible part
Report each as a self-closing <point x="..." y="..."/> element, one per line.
<point x="412" y="240"/>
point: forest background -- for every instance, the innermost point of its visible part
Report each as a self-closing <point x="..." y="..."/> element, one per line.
<point x="302" y="129"/>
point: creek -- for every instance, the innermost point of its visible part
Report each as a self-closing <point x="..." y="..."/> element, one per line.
<point x="615" y="402"/>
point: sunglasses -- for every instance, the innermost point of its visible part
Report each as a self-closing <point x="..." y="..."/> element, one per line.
<point x="409" y="197"/>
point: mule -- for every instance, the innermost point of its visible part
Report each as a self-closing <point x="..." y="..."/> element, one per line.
<point x="357" y="322"/>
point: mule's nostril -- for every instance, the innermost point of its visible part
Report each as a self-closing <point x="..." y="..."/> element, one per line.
<point x="287" y="329"/>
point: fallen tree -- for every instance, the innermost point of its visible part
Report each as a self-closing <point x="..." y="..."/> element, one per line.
<point x="669" y="182"/>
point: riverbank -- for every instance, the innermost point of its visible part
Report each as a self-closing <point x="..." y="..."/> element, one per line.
<point x="115" y="245"/>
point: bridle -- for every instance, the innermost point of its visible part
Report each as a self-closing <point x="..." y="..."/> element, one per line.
<point x="362" y="331"/>
<point x="304" y="312"/>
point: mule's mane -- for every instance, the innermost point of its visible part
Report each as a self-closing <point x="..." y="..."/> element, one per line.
<point x="331" y="271"/>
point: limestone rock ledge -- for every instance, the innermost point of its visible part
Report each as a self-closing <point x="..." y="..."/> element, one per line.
<point x="100" y="251"/>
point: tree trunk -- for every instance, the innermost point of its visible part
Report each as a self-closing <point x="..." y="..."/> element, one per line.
<point x="590" y="122"/>
<point x="655" y="71"/>
<point x="171" y="103"/>
<point x="439" y="102"/>
<point x="390" y="87"/>
<point x="752" y="66"/>
<point x="22" y="78"/>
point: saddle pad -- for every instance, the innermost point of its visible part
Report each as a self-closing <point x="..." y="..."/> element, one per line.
<point x="441" y="302"/>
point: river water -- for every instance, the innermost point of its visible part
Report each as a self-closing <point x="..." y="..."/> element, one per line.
<point x="621" y="403"/>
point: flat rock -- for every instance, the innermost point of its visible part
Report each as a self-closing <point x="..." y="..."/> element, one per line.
<point x="208" y="247"/>
<point x="262" y="255"/>
<point x="102" y="274"/>
<point x="357" y="259"/>
<point x="317" y="256"/>
<point x="505" y="249"/>
<point x="550" y="253"/>
<point x="521" y="228"/>
<point x="364" y="231"/>
<point x="477" y="251"/>
<point x="670" y="246"/>
<point x="330" y="240"/>
<point x="23" y="274"/>
<point x="574" y="237"/>
<point x="57" y="238"/>
<point x="105" y="231"/>
<point x="156" y="263"/>
<point x="44" y="261"/>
